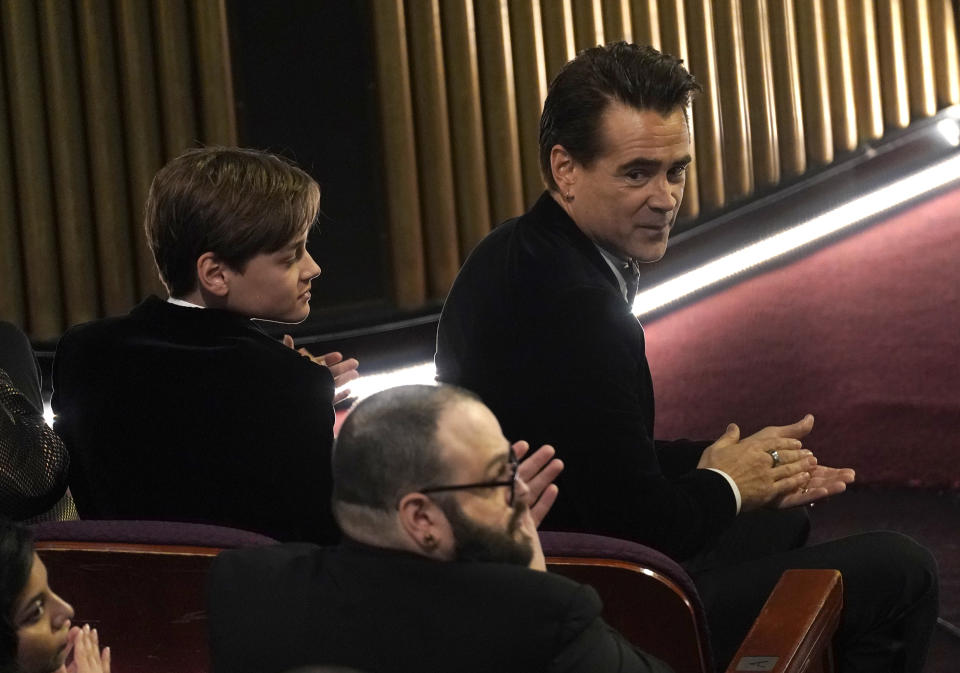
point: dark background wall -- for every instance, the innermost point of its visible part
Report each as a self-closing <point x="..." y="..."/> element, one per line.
<point x="305" y="88"/>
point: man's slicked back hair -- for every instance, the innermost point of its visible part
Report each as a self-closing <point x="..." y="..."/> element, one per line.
<point x="638" y="76"/>
<point x="388" y="447"/>
<point x="233" y="202"/>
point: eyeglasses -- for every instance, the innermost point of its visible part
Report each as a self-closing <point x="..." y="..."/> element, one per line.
<point x="511" y="482"/>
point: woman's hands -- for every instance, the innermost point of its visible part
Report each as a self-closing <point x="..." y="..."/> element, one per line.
<point x="83" y="643"/>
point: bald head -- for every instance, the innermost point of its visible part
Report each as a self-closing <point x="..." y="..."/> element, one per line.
<point x="388" y="445"/>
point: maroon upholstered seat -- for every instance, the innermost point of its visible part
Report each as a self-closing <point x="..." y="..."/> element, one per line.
<point x="141" y="583"/>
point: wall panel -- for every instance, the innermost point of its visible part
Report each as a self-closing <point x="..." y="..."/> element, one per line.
<point x="141" y="126"/>
<point x="916" y="24"/>
<point x="843" y="112"/>
<point x="763" y="115"/>
<point x="944" y="29"/>
<point x="466" y="122"/>
<point x="708" y="132"/>
<point x="786" y="88"/>
<point x="865" y="63"/>
<point x="530" y="72"/>
<point x="732" y="89"/>
<point x="814" y="81"/>
<point x="400" y="156"/>
<point x="893" y="66"/>
<point x="96" y="94"/>
<point x="74" y="212"/>
<point x="499" y="109"/>
<point x="434" y="161"/>
<point x="34" y="184"/>
<point x="673" y="35"/>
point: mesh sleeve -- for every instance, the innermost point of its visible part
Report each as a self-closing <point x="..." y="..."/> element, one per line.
<point x="34" y="464"/>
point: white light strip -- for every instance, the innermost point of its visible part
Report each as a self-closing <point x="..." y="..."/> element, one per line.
<point x="851" y="213"/>
<point x="369" y="384"/>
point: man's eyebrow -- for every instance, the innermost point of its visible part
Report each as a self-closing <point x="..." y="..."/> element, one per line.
<point x="641" y="162"/>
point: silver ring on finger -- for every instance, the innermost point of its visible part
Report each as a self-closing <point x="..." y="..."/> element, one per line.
<point x="776" y="457"/>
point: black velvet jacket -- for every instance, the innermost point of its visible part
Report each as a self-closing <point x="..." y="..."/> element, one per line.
<point x="380" y="611"/>
<point x="193" y="414"/>
<point x="536" y="325"/>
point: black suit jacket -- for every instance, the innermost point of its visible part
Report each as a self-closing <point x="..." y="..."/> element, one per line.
<point x="381" y="611"/>
<point x="193" y="414"/>
<point x="537" y="326"/>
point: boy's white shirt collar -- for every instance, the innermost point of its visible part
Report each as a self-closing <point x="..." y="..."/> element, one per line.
<point x="182" y="302"/>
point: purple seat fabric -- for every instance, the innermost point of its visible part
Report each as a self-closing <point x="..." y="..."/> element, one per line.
<point x="561" y="544"/>
<point x="149" y="532"/>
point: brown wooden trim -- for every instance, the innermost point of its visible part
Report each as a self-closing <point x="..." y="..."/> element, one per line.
<point x="797" y="623"/>
<point x="623" y="565"/>
<point x="125" y="548"/>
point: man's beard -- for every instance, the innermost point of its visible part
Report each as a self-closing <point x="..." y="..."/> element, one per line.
<point x="474" y="542"/>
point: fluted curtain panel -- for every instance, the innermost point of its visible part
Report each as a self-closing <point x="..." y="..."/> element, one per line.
<point x="789" y="86"/>
<point x="96" y="96"/>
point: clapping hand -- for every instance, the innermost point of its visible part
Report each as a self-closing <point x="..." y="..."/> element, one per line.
<point x="343" y="371"/>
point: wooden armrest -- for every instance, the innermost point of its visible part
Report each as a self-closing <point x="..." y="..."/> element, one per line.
<point x="794" y="630"/>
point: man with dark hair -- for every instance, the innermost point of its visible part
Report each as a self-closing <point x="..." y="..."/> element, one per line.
<point x="441" y="567"/>
<point x="539" y="324"/>
<point x="185" y="409"/>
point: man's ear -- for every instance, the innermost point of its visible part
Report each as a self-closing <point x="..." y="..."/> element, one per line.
<point x="213" y="275"/>
<point x="564" y="168"/>
<point x="426" y="526"/>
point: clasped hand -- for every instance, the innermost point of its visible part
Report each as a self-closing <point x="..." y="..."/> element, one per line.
<point x="797" y="480"/>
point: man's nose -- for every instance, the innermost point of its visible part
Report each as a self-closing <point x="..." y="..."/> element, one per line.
<point x="662" y="197"/>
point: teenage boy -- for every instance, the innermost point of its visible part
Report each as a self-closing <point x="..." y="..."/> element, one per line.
<point x="184" y="409"/>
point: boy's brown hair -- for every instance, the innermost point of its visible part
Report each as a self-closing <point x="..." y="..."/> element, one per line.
<point x="233" y="202"/>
